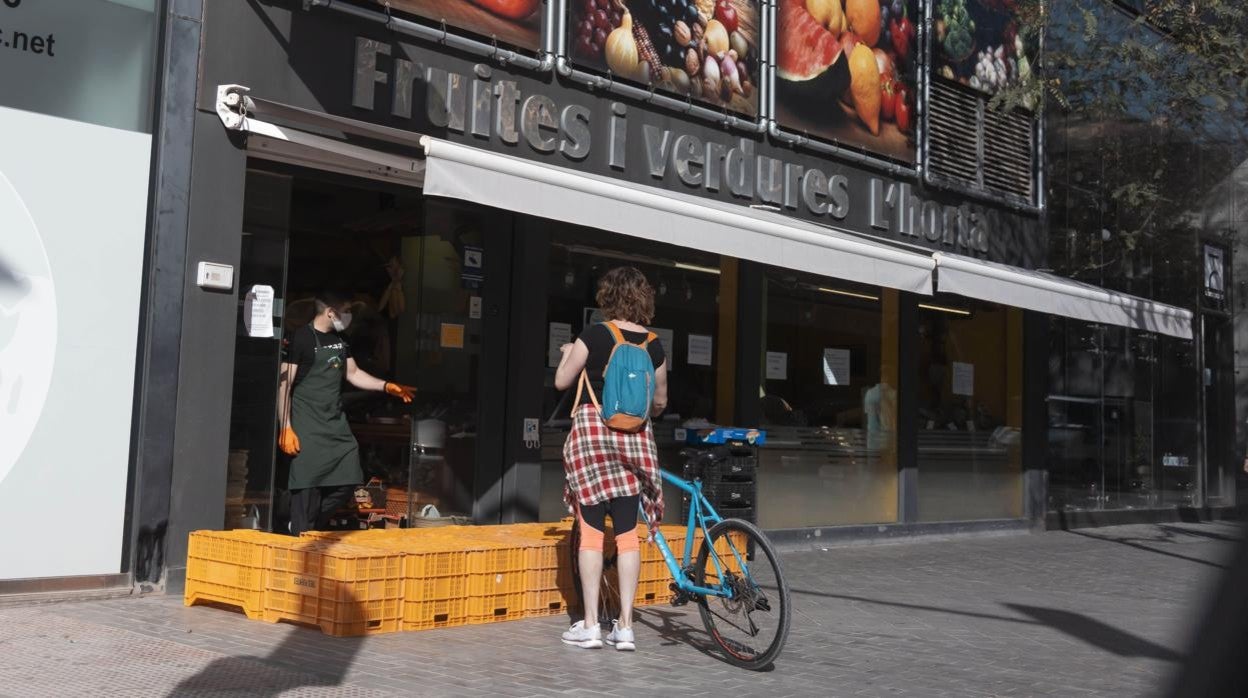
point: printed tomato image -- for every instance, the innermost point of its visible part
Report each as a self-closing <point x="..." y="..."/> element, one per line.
<point x="840" y="67"/>
<point x="515" y="22"/>
<point x="702" y="50"/>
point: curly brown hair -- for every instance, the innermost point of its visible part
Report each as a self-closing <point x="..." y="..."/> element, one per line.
<point x="625" y="294"/>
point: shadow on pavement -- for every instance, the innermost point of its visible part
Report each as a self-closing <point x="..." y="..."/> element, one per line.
<point x="1214" y="663"/>
<point x="911" y="606"/>
<point x="1131" y="543"/>
<point x="674" y="629"/>
<point x="291" y="665"/>
<point x="1200" y="533"/>
<point x="1096" y="633"/>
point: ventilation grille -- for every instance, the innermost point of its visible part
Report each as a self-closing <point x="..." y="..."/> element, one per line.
<point x="1008" y="152"/>
<point x="984" y="149"/>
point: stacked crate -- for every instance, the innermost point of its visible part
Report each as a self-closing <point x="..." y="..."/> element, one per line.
<point x="381" y="580"/>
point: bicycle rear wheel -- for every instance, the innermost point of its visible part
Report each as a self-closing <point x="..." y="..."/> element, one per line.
<point x="752" y="626"/>
<point x="608" y="592"/>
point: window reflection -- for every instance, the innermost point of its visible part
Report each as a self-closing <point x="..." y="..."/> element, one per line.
<point x="829" y="403"/>
<point x="969" y="411"/>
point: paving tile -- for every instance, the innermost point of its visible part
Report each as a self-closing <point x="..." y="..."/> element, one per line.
<point x="1091" y="613"/>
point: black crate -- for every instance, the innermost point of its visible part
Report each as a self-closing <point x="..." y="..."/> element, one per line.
<point x="731" y="494"/>
<point x="735" y="468"/>
<point x="746" y="513"/>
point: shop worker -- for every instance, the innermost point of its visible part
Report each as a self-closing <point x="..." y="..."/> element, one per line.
<point x="325" y="464"/>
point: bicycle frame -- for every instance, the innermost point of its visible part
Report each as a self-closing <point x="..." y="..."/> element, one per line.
<point x="701" y="515"/>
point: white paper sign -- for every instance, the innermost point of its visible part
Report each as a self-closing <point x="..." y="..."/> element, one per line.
<point x="777" y="366"/>
<point x="836" y="367"/>
<point x="474" y="308"/>
<point x="668" y="339"/>
<point x="963" y="378"/>
<point x="258" y="311"/>
<point x="560" y="334"/>
<point x="701" y="349"/>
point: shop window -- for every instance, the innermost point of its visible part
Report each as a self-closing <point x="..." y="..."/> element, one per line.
<point x="969" y="417"/>
<point x="829" y="403"/>
<point x="689" y="312"/>
<point x="1113" y="443"/>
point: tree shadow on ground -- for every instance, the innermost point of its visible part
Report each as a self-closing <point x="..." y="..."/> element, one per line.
<point x="1077" y="625"/>
<point x="296" y="663"/>
<point x="1131" y="543"/>
<point x="1096" y="633"/>
<point x="1213" y="535"/>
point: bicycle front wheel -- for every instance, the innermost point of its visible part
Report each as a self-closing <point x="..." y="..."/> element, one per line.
<point x="752" y="626"/>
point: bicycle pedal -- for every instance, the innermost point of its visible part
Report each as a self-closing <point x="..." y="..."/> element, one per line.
<point x="679" y="597"/>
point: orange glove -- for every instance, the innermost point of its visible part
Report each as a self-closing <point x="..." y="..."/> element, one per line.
<point x="402" y="392"/>
<point x="288" y="441"/>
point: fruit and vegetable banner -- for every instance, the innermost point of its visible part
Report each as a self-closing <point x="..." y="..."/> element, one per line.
<point x="845" y="72"/>
<point x="515" y="22"/>
<point x="977" y="43"/>
<point x="706" y="50"/>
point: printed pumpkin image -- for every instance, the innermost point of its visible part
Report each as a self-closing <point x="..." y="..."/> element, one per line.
<point x="512" y="22"/>
<point x="845" y="72"/>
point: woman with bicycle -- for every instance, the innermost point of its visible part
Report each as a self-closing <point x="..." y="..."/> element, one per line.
<point x="610" y="458"/>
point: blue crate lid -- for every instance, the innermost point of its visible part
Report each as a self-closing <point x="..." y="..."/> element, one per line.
<point x="723" y="435"/>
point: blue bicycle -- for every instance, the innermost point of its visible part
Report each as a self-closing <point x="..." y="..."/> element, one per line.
<point x="736" y="579"/>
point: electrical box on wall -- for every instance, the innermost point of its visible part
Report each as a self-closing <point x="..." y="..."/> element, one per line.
<point x="219" y="277"/>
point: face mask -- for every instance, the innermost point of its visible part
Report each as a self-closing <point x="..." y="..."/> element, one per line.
<point x="341" y="322"/>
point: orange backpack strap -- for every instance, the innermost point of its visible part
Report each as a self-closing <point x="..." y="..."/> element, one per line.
<point x="650" y="337"/>
<point x="616" y="333"/>
<point x="582" y="385"/>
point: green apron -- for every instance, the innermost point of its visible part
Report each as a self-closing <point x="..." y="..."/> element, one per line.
<point x="328" y="452"/>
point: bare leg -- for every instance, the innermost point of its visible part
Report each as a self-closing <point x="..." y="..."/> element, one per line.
<point x="591" y="583"/>
<point x="629" y="565"/>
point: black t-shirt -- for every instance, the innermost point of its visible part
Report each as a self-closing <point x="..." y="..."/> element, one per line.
<point x="600" y="342"/>
<point x="300" y="348"/>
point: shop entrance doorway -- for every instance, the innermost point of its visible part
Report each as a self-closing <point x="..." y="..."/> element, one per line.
<point x="429" y="310"/>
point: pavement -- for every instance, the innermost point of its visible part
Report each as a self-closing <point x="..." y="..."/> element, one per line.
<point x="1096" y="612"/>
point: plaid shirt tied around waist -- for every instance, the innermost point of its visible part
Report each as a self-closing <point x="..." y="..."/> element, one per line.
<point x="602" y="464"/>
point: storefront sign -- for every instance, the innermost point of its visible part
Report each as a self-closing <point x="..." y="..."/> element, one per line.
<point x="559" y="334"/>
<point x="497" y="111"/>
<point x="668" y="339"/>
<point x="452" y="336"/>
<point x="963" y="379"/>
<point x="836" y="367"/>
<point x="701" y="349"/>
<point x="777" y="366"/>
<point x="1215" y="269"/>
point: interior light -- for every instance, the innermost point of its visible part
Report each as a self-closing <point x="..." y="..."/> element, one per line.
<point x="694" y="267"/>
<point x="851" y="294"/>
<point x="943" y="309"/>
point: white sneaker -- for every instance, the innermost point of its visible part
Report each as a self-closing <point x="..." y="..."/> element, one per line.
<point x="621" y="638"/>
<point x="585" y="638"/>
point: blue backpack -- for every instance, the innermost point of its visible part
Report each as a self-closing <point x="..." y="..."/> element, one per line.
<point x="627" y="384"/>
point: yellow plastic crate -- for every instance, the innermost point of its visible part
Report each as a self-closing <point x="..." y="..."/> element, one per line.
<point x="653" y="592"/>
<point x="493" y="608"/>
<point x="547" y="602"/>
<point x="345" y="590"/>
<point x="441" y="613"/>
<point x="228" y="567"/>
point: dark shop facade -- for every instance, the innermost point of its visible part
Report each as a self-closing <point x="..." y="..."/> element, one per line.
<point x="869" y="281"/>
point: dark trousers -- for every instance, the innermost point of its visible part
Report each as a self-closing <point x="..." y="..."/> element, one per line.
<point x="311" y="507"/>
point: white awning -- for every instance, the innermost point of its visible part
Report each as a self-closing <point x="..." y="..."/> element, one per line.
<point x="1047" y="293"/>
<point x="509" y="183"/>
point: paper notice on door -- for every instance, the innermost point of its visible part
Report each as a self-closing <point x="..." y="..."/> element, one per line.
<point x="668" y="339"/>
<point x="701" y="349"/>
<point x="258" y="311"/>
<point x="474" y="308"/>
<point x="452" y="336"/>
<point x="560" y="333"/>
<point x="963" y="379"/>
<point x="777" y="366"/>
<point x="836" y="367"/>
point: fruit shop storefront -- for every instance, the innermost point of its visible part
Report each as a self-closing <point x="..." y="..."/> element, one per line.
<point x="466" y="193"/>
